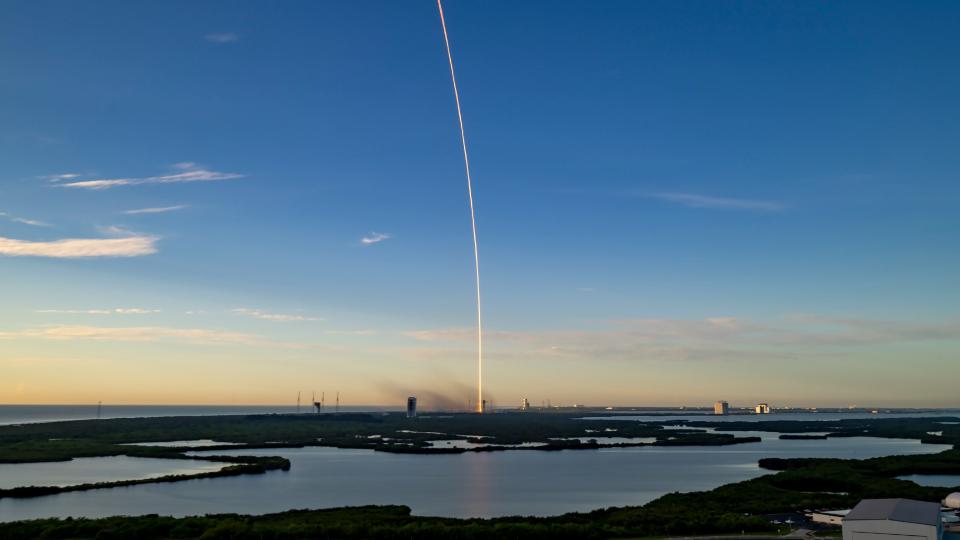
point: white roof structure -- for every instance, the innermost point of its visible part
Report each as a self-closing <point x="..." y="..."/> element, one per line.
<point x="893" y="519"/>
<point x="841" y="513"/>
<point x="902" y="510"/>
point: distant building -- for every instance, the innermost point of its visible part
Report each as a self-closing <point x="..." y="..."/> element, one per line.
<point x="721" y="408"/>
<point x="762" y="408"/>
<point x="893" y="519"/>
<point x="828" y="517"/>
<point x="524" y="404"/>
<point x="411" y="407"/>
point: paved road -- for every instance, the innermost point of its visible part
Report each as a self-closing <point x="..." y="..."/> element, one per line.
<point x="798" y="534"/>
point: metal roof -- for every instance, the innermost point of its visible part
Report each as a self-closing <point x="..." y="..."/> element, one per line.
<point x="905" y="510"/>
<point x="839" y="513"/>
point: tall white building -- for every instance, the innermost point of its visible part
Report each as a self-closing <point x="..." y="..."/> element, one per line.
<point x="762" y="408"/>
<point x="721" y="408"/>
<point x="893" y="519"/>
<point x="524" y="404"/>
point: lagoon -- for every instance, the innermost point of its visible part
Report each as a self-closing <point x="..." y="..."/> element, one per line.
<point x="936" y="480"/>
<point x="474" y="484"/>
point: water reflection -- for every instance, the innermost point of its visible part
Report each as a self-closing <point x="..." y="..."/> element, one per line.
<point x="478" y="487"/>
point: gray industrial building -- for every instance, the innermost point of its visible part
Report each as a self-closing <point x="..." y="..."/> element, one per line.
<point x="893" y="519"/>
<point x="411" y="407"/>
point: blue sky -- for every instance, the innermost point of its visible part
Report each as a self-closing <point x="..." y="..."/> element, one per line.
<point x="713" y="198"/>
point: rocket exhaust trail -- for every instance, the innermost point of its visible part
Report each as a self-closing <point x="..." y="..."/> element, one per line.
<point x="473" y="215"/>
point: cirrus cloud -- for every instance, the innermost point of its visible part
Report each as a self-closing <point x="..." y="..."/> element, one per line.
<point x="80" y="248"/>
<point x="709" y="339"/>
<point x="199" y="336"/>
<point x="25" y="221"/>
<point x="118" y="311"/>
<point x="694" y="200"/>
<point x="155" y="210"/>
<point x="191" y="172"/>
<point x="59" y="177"/>
<point x="276" y="317"/>
<point x="134" y="333"/>
<point x="374" y="238"/>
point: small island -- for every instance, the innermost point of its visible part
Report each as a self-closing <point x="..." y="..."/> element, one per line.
<point x="803" y="437"/>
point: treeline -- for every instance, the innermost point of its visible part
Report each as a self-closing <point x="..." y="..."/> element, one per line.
<point x="373" y="523"/>
<point x="934" y="429"/>
<point x="61" y="441"/>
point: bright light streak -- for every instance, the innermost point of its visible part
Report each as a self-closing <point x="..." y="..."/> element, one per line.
<point x="473" y="215"/>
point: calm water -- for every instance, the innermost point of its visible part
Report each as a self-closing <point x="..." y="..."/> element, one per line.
<point x="100" y="469"/>
<point x="938" y="480"/>
<point x="196" y="443"/>
<point x="473" y="484"/>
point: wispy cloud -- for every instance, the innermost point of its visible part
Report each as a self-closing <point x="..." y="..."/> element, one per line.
<point x="711" y="339"/>
<point x="190" y="172"/>
<point x="77" y="248"/>
<point x="135" y="333"/>
<point x="222" y="37"/>
<point x="117" y="311"/>
<point x="33" y="222"/>
<point x="59" y="177"/>
<point x="374" y="238"/>
<point x="77" y="311"/>
<point x="155" y="210"/>
<point x="25" y="221"/>
<point x="361" y="332"/>
<point x="694" y="200"/>
<point x="114" y="230"/>
<point x="276" y="317"/>
<point x="852" y="331"/>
